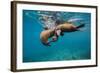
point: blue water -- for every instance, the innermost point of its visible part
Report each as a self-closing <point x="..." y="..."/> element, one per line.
<point x="71" y="46"/>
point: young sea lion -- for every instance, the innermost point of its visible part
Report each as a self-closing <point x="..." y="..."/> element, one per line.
<point x="69" y="27"/>
<point x="66" y="27"/>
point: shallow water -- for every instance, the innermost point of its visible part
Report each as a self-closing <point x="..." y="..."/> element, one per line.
<point x="71" y="46"/>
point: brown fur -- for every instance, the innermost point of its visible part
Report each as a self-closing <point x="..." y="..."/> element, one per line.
<point x="45" y="35"/>
<point x="66" y="27"/>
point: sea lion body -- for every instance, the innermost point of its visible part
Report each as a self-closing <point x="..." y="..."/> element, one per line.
<point x="67" y="27"/>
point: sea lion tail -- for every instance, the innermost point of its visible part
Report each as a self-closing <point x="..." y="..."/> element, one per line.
<point x="80" y="26"/>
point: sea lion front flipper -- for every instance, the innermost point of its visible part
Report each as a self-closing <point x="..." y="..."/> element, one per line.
<point x="46" y="44"/>
<point x="62" y="33"/>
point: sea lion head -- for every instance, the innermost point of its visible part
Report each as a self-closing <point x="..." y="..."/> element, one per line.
<point x="45" y="35"/>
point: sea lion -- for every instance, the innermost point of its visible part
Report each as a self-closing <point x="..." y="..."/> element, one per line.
<point x="65" y="27"/>
<point x="69" y="27"/>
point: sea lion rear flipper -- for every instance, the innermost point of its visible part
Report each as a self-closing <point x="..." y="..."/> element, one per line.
<point x="80" y="26"/>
